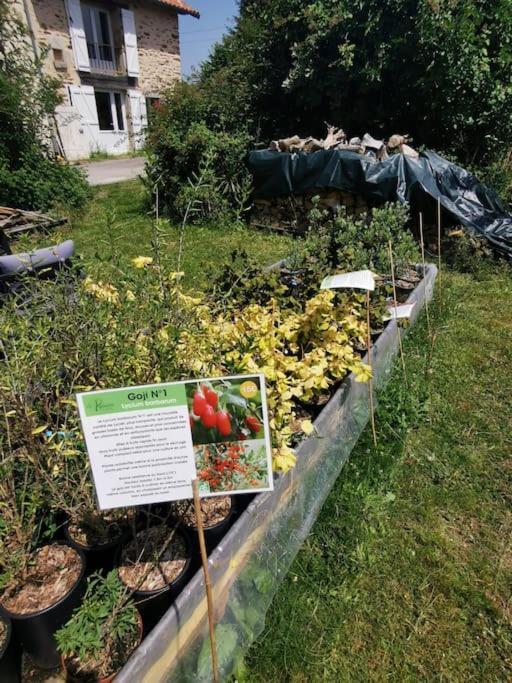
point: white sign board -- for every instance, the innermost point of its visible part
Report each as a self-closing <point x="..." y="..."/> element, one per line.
<point x="398" y="312"/>
<point x="359" y="279"/>
<point x="146" y="444"/>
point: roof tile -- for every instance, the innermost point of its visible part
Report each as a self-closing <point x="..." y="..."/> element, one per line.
<point x="181" y="6"/>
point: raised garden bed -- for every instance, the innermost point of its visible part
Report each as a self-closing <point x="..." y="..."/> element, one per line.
<point x="252" y="559"/>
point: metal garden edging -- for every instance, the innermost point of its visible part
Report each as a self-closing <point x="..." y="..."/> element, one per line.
<point x="252" y="559"/>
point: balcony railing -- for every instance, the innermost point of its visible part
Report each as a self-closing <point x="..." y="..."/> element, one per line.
<point x="106" y="59"/>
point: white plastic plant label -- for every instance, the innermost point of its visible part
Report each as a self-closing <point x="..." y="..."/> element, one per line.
<point x="359" y="279"/>
<point x="146" y="444"/>
<point x="404" y="311"/>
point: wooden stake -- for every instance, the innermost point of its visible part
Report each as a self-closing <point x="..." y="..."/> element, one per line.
<point x="390" y="247"/>
<point x="424" y="273"/>
<point x="370" y="381"/>
<point x="207" y="582"/>
<point x="439" y="244"/>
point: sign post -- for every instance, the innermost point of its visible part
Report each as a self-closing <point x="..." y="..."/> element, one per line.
<point x="207" y="581"/>
<point x="391" y="260"/>
<point x="359" y="279"/>
<point x="166" y="442"/>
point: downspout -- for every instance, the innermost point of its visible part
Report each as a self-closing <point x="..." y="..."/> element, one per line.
<point x="37" y="55"/>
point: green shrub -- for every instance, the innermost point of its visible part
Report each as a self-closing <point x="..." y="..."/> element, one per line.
<point x="184" y="145"/>
<point x="41" y="183"/>
<point x="364" y="243"/>
<point x="346" y="243"/>
<point x="103" y="630"/>
<point x="31" y="175"/>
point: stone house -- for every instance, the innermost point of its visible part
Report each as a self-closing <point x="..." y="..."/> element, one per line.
<point x="115" y="58"/>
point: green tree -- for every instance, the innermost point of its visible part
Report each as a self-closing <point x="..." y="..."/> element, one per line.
<point x="438" y="69"/>
<point x="31" y="175"/>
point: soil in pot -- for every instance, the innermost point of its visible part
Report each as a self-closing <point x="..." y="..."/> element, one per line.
<point x="99" y="538"/>
<point x="40" y="604"/>
<point x="156" y="577"/>
<point x="109" y="662"/>
<point x="9" y="654"/>
<point x="217" y="513"/>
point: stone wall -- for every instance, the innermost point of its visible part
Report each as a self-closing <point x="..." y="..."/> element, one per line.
<point x="159" y="47"/>
<point x="50" y="23"/>
<point x="291" y="213"/>
<point x="157" y="40"/>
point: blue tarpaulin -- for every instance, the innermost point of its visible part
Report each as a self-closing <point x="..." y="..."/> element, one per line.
<point x="399" y="178"/>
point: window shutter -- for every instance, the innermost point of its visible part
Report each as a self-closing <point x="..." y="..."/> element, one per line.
<point x="77" y="33"/>
<point x="83" y="100"/>
<point x="139" y="117"/>
<point x="130" y="42"/>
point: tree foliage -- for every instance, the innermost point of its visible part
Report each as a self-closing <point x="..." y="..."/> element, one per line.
<point x="438" y="69"/>
<point x="31" y="176"/>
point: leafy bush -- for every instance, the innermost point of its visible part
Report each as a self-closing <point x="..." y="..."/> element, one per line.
<point x="42" y="183"/>
<point x="31" y="175"/>
<point x="102" y="631"/>
<point x="345" y="243"/>
<point x="184" y="145"/>
<point x="365" y="243"/>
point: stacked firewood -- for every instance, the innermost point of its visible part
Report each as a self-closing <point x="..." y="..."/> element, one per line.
<point x="290" y="214"/>
<point x="336" y="139"/>
<point x="17" y="220"/>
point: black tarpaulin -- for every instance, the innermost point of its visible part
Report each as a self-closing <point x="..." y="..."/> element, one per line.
<point x="399" y="178"/>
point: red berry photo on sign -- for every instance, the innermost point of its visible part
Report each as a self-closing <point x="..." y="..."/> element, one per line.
<point x="229" y="433"/>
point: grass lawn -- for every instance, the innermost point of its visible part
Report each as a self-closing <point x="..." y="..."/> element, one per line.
<point x="117" y="226"/>
<point x="407" y="573"/>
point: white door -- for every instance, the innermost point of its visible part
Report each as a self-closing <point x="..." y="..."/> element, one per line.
<point x="111" y="111"/>
<point x="138" y="116"/>
<point x="83" y="103"/>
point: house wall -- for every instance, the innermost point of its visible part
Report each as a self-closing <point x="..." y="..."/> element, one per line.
<point x="50" y="23"/>
<point x="157" y="41"/>
<point x="158" y="46"/>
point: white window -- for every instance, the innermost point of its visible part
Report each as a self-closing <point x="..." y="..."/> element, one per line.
<point x="111" y="111"/>
<point x="100" y="42"/>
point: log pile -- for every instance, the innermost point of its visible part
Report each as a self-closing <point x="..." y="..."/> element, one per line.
<point x="290" y="214"/>
<point x="13" y="221"/>
<point x="336" y="139"/>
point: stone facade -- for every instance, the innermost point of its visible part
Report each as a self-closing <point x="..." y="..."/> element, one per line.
<point x="158" y="46"/>
<point x="158" y="43"/>
<point x="86" y="122"/>
<point x="50" y="25"/>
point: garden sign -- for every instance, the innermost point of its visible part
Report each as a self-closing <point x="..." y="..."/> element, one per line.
<point x="147" y="444"/>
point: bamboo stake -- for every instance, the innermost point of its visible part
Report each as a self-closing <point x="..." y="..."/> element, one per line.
<point x="370" y="381"/>
<point x="390" y="247"/>
<point x="424" y="273"/>
<point x="207" y="582"/>
<point x="439" y="243"/>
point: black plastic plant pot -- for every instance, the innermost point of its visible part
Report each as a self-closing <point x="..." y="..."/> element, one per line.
<point x="97" y="557"/>
<point x="241" y="502"/>
<point x="10" y="655"/>
<point x="212" y="534"/>
<point x="36" y="631"/>
<point x="152" y="605"/>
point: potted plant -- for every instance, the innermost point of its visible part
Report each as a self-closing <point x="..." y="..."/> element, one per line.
<point x="102" y="633"/>
<point x="9" y="653"/>
<point x="155" y="565"/>
<point x="40" y="585"/>
<point x="217" y="513"/>
<point x="43" y="597"/>
<point x="97" y="534"/>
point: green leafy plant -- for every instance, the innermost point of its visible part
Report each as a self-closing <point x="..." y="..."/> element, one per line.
<point x="363" y="243"/>
<point x="103" y="631"/>
<point x="32" y="176"/>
